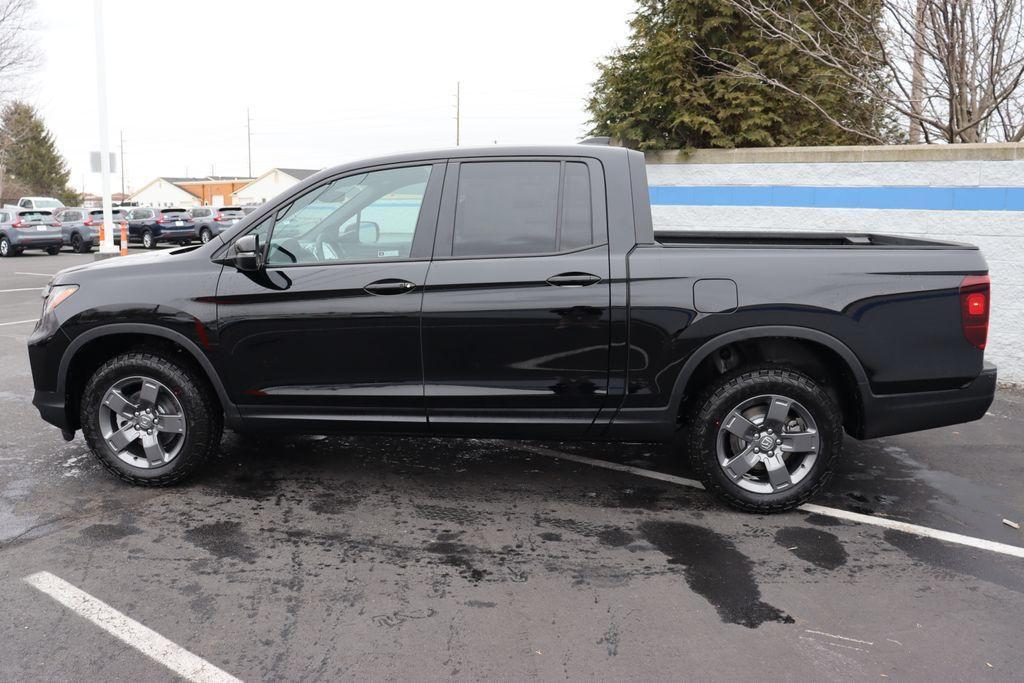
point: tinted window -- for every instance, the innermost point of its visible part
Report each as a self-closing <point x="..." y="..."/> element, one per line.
<point x="506" y="208"/>
<point x="364" y="217"/>
<point x="200" y="213"/>
<point x="34" y="215"/>
<point x="577" y="225"/>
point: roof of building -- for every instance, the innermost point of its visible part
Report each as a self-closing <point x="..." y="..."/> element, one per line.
<point x="298" y="173"/>
<point x="207" y="179"/>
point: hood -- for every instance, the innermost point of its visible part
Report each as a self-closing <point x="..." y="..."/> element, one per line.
<point x="103" y="267"/>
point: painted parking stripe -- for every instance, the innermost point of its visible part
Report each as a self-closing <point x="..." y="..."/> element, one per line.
<point x="883" y="522"/>
<point x="20" y="322"/>
<point x="143" y="639"/>
<point x="22" y="289"/>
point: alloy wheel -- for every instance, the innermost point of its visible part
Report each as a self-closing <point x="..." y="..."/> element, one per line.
<point x="142" y="422"/>
<point x="768" y="443"/>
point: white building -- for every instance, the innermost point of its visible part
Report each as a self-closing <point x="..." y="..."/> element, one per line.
<point x="269" y="185"/>
<point x="164" y="192"/>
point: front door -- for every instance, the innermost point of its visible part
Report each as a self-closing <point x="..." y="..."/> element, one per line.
<point x="327" y="335"/>
<point x="516" y="310"/>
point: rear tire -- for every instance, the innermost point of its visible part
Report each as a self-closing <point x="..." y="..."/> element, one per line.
<point x="6" y="249"/>
<point x="205" y="236"/>
<point x="53" y="251"/>
<point x="147" y="240"/>
<point x="123" y="434"/>
<point x="764" y="439"/>
<point x="80" y="246"/>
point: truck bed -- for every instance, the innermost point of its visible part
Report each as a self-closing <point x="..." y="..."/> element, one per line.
<point x="688" y="238"/>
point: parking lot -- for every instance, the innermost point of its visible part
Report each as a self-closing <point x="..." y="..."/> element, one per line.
<point x="392" y="558"/>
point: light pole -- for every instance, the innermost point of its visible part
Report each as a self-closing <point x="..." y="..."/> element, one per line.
<point x="107" y="246"/>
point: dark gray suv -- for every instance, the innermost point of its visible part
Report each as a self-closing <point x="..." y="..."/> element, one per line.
<point x="212" y="220"/>
<point x="22" y="229"/>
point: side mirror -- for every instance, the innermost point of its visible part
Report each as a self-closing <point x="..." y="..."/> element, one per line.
<point x="369" y="232"/>
<point x="244" y="254"/>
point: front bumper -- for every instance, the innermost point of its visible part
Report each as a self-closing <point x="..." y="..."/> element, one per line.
<point x="52" y="409"/>
<point x="885" y="415"/>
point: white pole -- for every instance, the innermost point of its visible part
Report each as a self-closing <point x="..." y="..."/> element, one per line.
<point x="107" y="247"/>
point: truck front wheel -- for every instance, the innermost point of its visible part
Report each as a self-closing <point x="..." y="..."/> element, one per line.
<point x="150" y="418"/>
<point x="765" y="439"/>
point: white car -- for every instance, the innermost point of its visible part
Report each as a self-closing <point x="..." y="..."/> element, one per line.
<point x="40" y="203"/>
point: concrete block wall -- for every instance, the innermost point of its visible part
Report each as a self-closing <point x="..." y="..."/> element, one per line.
<point x="963" y="193"/>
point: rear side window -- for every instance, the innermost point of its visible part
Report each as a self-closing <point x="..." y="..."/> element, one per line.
<point x="522" y="208"/>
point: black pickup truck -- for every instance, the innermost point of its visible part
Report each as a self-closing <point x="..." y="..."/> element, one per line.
<point x="523" y="293"/>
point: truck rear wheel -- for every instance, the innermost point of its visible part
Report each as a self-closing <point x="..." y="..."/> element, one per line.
<point x="149" y="418"/>
<point x="765" y="439"/>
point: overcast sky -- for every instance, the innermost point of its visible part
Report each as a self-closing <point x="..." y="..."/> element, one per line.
<point x="325" y="81"/>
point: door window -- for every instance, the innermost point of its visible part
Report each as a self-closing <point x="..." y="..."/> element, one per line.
<point x="522" y="208"/>
<point x="364" y="217"/>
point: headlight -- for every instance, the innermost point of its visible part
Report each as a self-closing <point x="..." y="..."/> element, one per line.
<point x="55" y="295"/>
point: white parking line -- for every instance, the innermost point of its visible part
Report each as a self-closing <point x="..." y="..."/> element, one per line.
<point x="905" y="527"/>
<point x="20" y="322"/>
<point x="22" y="289"/>
<point x="143" y="639"/>
<point x="39" y="274"/>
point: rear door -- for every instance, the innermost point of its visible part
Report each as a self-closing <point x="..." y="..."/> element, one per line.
<point x="516" y="308"/>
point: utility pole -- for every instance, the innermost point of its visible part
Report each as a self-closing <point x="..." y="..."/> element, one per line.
<point x="458" y="112"/>
<point x="122" y="165"/>
<point x="248" y="137"/>
<point x="107" y="246"/>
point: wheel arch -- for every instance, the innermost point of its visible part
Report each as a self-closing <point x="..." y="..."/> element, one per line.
<point x="857" y="382"/>
<point x="82" y="352"/>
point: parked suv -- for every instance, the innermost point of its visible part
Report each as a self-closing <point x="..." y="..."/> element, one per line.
<point x="81" y="227"/>
<point x="152" y="225"/>
<point x="22" y="229"/>
<point x="212" y="220"/>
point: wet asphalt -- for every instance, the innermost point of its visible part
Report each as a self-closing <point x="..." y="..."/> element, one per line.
<point x="390" y="558"/>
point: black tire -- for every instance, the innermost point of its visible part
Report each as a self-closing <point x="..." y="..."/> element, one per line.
<point x="53" y="251"/>
<point x="78" y="245"/>
<point x="147" y="240"/>
<point x="6" y="249"/>
<point x="202" y="413"/>
<point x="713" y="406"/>
<point x="205" y="235"/>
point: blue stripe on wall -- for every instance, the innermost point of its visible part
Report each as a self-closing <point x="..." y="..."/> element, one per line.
<point x="927" y="198"/>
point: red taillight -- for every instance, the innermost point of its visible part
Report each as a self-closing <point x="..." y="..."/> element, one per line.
<point x="160" y="219"/>
<point x="56" y="223"/>
<point x="88" y="222"/>
<point x="17" y="224"/>
<point x="975" y="302"/>
<point x="218" y="218"/>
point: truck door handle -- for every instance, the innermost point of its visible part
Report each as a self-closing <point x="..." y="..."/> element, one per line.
<point x="390" y="286"/>
<point x="573" y="280"/>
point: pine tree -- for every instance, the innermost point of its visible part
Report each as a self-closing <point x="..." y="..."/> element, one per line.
<point x="671" y="87"/>
<point x="30" y="156"/>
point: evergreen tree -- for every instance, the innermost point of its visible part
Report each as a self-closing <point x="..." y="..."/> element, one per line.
<point x="675" y="85"/>
<point x="30" y="156"/>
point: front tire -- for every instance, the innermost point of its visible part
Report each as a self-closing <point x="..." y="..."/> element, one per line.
<point x="765" y="439"/>
<point x="147" y="240"/>
<point x="150" y="418"/>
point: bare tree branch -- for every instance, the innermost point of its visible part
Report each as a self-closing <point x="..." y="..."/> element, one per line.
<point x="954" y="69"/>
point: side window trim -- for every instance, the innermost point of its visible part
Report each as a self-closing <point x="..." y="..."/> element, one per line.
<point x="444" y="245"/>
